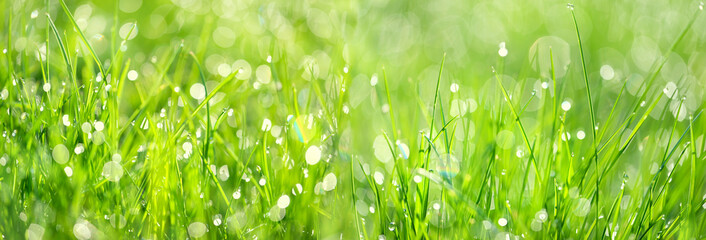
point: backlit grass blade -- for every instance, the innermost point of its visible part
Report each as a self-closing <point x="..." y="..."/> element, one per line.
<point x="83" y="38"/>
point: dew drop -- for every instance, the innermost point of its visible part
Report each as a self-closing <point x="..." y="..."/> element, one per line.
<point x="113" y="171"/>
<point x="81" y="230"/>
<point x="566" y="105"/>
<point x="34" y="232"/>
<point x="60" y="154"/>
<point x="502" y="222"/>
<point x="454" y="87"/>
<point x="197" y="91"/>
<point x="329" y="182"/>
<point x="197" y="229"/>
<point x="283" y="201"/>
<point x="607" y="72"/>
<point x="132" y="75"/>
<point x="236" y="194"/>
<point x="276" y="213"/>
<point x="374" y="80"/>
<point x="379" y="178"/>
<point x="313" y="155"/>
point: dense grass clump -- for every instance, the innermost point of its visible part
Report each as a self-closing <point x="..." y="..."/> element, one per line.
<point x="375" y="119"/>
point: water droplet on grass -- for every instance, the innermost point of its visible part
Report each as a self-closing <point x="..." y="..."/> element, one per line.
<point x="283" y="201"/>
<point x="98" y="138"/>
<point x="580" y="135"/>
<point x="132" y="75"/>
<point x="670" y="89"/>
<point x="244" y="69"/>
<point x="566" y="105"/>
<point x="125" y="29"/>
<point x="65" y="120"/>
<point x="276" y="213"/>
<point x="223" y="173"/>
<point x="197" y="229"/>
<point x="69" y="172"/>
<point x="81" y="230"/>
<point x="187" y="147"/>
<point x="502" y="51"/>
<point x="541" y="215"/>
<point x="381" y="149"/>
<point x="99" y="126"/>
<point x="313" y="155"/>
<point x="379" y="177"/>
<point x="60" y="154"/>
<point x="263" y="74"/>
<point x="86" y="127"/>
<point x="502" y="222"/>
<point x="454" y="87"/>
<point x="34" y="232"/>
<point x="197" y="91"/>
<point x="607" y="72"/>
<point x="276" y="131"/>
<point x="374" y="80"/>
<point x="266" y="125"/>
<point x="113" y="171"/>
<point x="329" y="182"/>
<point x="536" y="225"/>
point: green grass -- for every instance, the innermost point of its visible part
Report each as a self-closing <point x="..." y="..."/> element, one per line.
<point x="352" y="120"/>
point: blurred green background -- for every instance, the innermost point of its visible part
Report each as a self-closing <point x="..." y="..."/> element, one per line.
<point x="331" y="64"/>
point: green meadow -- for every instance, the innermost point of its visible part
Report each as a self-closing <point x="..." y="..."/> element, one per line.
<point x="371" y="119"/>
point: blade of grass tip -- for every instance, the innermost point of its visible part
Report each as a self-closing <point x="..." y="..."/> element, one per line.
<point x="65" y="55"/>
<point x="590" y="108"/>
<point x="692" y="179"/>
<point x="612" y="111"/>
<point x="659" y="67"/>
<point x="207" y="138"/>
<point x="119" y="53"/>
<point x="522" y="128"/>
<point x="203" y="103"/>
<point x="615" y="207"/>
<point x="355" y="198"/>
<point x="213" y="92"/>
<point x="425" y="197"/>
<point x="389" y="104"/>
<point x="46" y="43"/>
<point x="83" y="38"/>
<point x="556" y="96"/>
